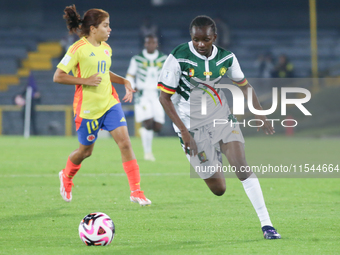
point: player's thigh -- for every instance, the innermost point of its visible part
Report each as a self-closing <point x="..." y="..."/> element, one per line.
<point x="234" y="151"/>
<point x="206" y="163"/>
<point x="114" y="118"/>
<point x="121" y="136"/>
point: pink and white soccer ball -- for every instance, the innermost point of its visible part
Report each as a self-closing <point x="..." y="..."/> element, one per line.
<point x="96" y="229"/>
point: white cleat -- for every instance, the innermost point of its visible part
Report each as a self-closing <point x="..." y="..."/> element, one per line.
<point x="138" y="197"/>
<point x="65" y="187"/>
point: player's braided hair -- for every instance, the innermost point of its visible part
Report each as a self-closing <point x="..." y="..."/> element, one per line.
<point x="202" y="21"/>
<point x="77" y="25"/>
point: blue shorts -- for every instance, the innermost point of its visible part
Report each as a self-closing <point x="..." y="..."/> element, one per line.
<point x="88" y="129"/>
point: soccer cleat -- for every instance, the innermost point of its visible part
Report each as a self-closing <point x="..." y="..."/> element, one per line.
<point x="138" y="197"/>
<point x="270" y="233"/>
<point x="149" y="156"/>
<point x="65" y="187"/>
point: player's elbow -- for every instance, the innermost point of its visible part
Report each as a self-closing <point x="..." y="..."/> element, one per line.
<point x="56" y="78"/>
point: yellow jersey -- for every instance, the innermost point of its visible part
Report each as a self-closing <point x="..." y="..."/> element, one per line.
<point x="85" y="60"/>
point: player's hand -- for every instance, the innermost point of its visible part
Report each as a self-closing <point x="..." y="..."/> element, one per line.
<point x="267" y="126"/>
<point x="129" y="92"/>
<point x="189" y="143"/>
<point x="93" y="80"/>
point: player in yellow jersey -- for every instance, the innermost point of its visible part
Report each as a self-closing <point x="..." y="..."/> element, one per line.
<point x="96" y="104"/>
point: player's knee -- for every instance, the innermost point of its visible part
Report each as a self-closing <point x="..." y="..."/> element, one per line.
<point x="124" y="144"/>
<point x="148" y="124"/>
<point x="87" y="154"/>
<point x="157" y="128"/>
<point x="219" y="191"/>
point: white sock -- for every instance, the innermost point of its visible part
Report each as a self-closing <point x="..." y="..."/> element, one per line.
<point x="147" y="136"/>
<point x="253" y="190"/>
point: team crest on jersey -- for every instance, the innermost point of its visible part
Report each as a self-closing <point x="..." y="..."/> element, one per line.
<point x="107" y="52"/>
<point x="202" y="157"/>
<point x="223" y="70"/>
<point x="159" y="64"/>
<point x="90" y="138"/>
<point x="191" y="72"/>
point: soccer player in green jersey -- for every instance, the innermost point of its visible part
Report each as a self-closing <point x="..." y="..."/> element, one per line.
<point x="191" y="70"/>
<point x="143" y="75"/>
<point x="96" y="103"/>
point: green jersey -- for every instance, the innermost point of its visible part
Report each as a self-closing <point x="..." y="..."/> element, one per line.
<point x="144" y="70"/>
<point x="189" y="75"/>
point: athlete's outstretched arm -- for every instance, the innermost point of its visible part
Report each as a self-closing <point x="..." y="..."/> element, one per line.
<point x="267" y="126"/>
<point x="115" y="78"/>
<point x="61" y="77"/>
<point x="189" y="142"/>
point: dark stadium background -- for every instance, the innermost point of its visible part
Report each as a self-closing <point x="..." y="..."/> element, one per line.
<point x="256" y="27"/>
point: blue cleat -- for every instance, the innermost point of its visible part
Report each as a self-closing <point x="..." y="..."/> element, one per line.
<point x="270" y="233"/>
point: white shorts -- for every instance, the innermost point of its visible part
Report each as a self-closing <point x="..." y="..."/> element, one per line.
<point x="147" y="106"/>
<point x="207" y="138"/>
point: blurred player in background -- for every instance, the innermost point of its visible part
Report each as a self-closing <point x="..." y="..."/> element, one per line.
<point x="191" y="70"/>
<point x="143" y="75"/>
<point x="96" y="102"/>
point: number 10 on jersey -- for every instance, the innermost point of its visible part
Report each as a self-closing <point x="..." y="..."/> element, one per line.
<point x="101" y="66"/>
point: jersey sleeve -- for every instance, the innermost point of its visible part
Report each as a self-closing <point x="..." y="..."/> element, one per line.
<point x="69" y="61"/>
<point x="169" y="77"/>
<point x="131" y="72"/>
<point x="235" y="73"/>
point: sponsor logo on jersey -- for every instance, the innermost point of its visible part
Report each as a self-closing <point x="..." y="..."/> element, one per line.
<point x="123" y="119"/>
<point x="145" y="64"/>
<point x="92" y="54"/>
<point x="207" y="73"/>
<point x="223" y="70"/>
<point x="202" y="157"/>
<point x="107" y="52"/>
<point x="159" y="64"/>
<point x="90" y="138"/>
<point x="235" y="132"/>
<point x="191" y="72"/>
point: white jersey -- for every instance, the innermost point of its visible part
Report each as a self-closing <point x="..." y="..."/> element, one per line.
<point x="144" y="70"/>
<point x="189" y="76"/>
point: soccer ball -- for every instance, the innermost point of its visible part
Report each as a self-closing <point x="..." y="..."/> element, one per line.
<point x="96" y="229"/>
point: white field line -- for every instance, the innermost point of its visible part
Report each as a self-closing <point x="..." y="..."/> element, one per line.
<point x="88" y="175"/>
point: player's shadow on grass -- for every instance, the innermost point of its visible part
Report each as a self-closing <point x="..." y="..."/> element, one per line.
<point x="190" y="245"/>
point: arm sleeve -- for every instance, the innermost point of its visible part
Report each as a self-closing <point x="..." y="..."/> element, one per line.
<point x="169" y="77"/>
<point x="131" y="72"/>
<point x="69" y="61"/>
<point x="235" y="73"/>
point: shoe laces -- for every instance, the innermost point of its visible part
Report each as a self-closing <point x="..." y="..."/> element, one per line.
<point x="272" y="231"/>
<point x="139" y="194"/>
<point x="68" y="184"/>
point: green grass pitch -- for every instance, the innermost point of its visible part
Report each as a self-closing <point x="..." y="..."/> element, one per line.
<point x="184" y="218"/>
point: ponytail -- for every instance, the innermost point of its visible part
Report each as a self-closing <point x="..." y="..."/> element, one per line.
<point x="73" y="20"/>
